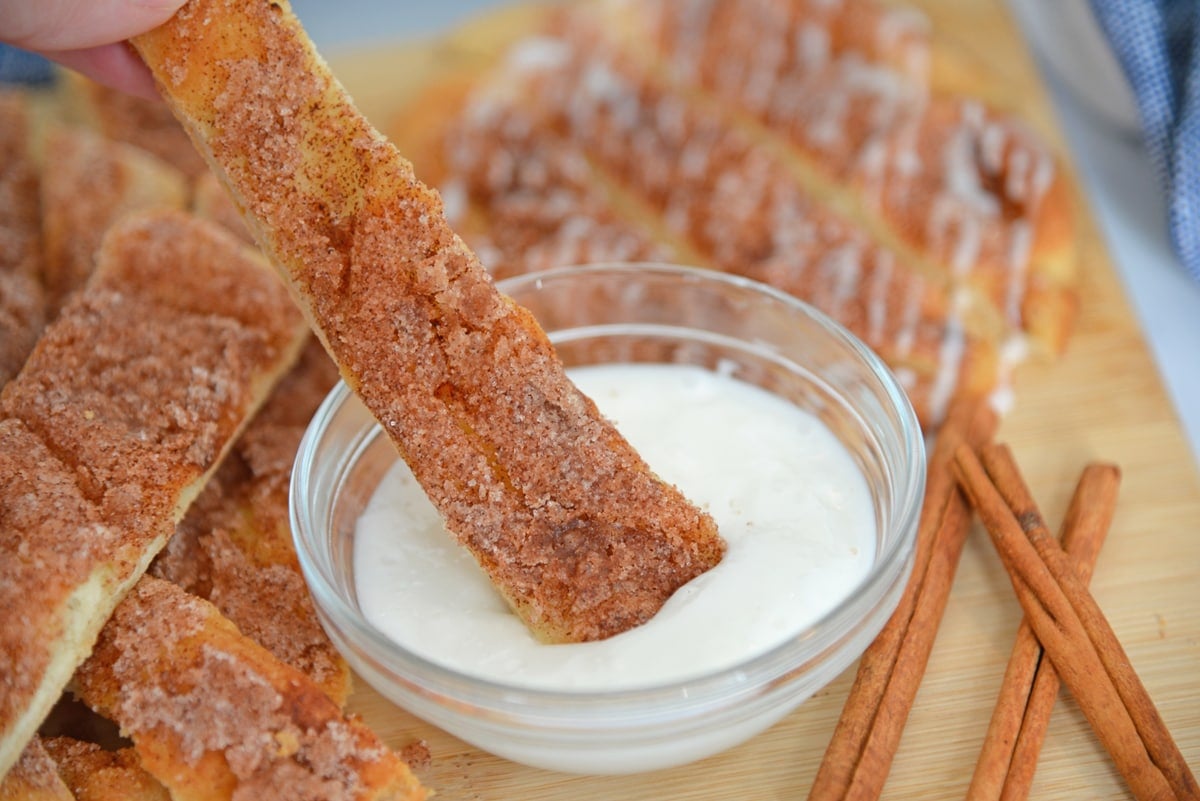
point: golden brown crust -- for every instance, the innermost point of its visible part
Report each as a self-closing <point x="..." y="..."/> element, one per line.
<point x="790" y="141"/>
<point x="573" y="528"/>
<point x="121" y="117"/>
<point x="34" y="777"/>
<point x="782" y="36"/>
<point x="22" y="299"/>
<point x="234" y="548"/>
<point x="534" y="155"/>
<point x="125" y="405"/>
<point x="215" y="716"/>
<point x="968" y="188"/>
<point x="88" y="183"/>
<point x="212" y="202"/>
<point x="95" y="774"/>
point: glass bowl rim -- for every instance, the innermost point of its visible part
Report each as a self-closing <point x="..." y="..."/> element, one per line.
<point x="727" y="686"/>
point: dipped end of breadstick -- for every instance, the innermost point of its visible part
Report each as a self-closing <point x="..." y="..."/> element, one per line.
<point x="573" y="528"/>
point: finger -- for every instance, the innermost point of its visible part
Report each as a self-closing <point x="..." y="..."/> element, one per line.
<point x="114" y="65"/>
<point x="60" y="25"/>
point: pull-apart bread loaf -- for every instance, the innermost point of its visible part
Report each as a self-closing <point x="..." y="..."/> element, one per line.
<point x="126" y="404"/>
<point x="795" y="142"/>
<point x="573" y="528"/>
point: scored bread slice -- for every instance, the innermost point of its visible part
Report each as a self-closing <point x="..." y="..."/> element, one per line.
<point x="214" y="716"/>
<point x="572" y="527"/>
<point x="126" y="404"/>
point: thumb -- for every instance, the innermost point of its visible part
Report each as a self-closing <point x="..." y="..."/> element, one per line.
<point x="57" y="25"/>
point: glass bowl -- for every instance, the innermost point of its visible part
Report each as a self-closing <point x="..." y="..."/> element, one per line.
<point x="635" y="313"/>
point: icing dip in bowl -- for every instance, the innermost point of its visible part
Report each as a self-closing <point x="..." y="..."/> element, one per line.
<point x="791" y="433"/>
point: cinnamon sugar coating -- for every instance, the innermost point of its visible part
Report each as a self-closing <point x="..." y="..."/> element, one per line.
<point x="126" y="404"/>
<point x="234" y="548"/>
<point x="95" y="774"/>
<point x="213" y="715"/>
<point x="145" y="124"/>
<point x="968" y="187"/>
<point x="571" y="525"/>
<point x="145" y="378"/>
<point x="801" y="143"/>
<point x="526" y="202"/>
<point x="731" y="202"/>
<point x="34" y="777"/>
<point x="88" y="184"/>
<point x="22" y="299"/>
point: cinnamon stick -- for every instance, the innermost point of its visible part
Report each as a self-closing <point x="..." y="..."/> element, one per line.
<point x="1008" y="759"/>
<point x="891" y="668"/>
<point x="1086" y="654"/>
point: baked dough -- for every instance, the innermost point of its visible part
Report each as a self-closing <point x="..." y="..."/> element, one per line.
<point x="214" y="716"/>
<point x="126" y="404"/>
<point x="573" y="528"/>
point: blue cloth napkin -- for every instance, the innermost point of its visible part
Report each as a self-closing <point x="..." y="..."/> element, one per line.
<point x="18" y="66"/>
<point x="1157" y="43"/>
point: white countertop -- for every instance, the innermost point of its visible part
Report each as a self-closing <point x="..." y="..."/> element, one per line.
<point x="1118" y="178"/>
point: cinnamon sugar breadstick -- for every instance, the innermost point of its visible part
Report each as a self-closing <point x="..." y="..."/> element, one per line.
<point x="234" y="548"/>
<point x="93" y="773"/>
<point x="563" y="104"/>
<point x="22" y="299"/>
<point x="88" y="183"/>
<point x="214" y="716"/>
<point x="126" y="404"/>
<point x="34" y="777"/>
<point x="573" y="528"/>
<point x="971" y="190"/>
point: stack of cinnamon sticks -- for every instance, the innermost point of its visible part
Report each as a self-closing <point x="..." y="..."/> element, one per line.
<point x="1064" y="636"/>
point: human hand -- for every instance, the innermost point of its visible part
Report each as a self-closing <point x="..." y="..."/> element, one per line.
<point x="88" y="35"/>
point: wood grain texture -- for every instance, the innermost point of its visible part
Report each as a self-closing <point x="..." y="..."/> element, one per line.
<point x="1102" y="401"/>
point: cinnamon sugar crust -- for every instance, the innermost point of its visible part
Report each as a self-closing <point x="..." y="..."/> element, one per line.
<point x="126" y="404"/>
<point x="214" y="716"/>
<point x="34" y="777"/>
<point x="727" y="199"/>
<point x="212" y="202"/>
<point x="51" y="539"/>
<point x="145" y="124"/>
<point x="95" y="774"/>
<point x="526" y="202"/>
<point x="576" y="532"/>
<point x="969" y="188"/>
<point x="783" y="36"/>
<point x="796" y="142"/>
<point x="143" y="383"/>
<point x="89" y="183"/>
<point x="22" y="299"/>
<point x="234" y="548"/>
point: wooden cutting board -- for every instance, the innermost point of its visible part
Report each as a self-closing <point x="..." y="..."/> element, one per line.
<point x="1102" y="401"/>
